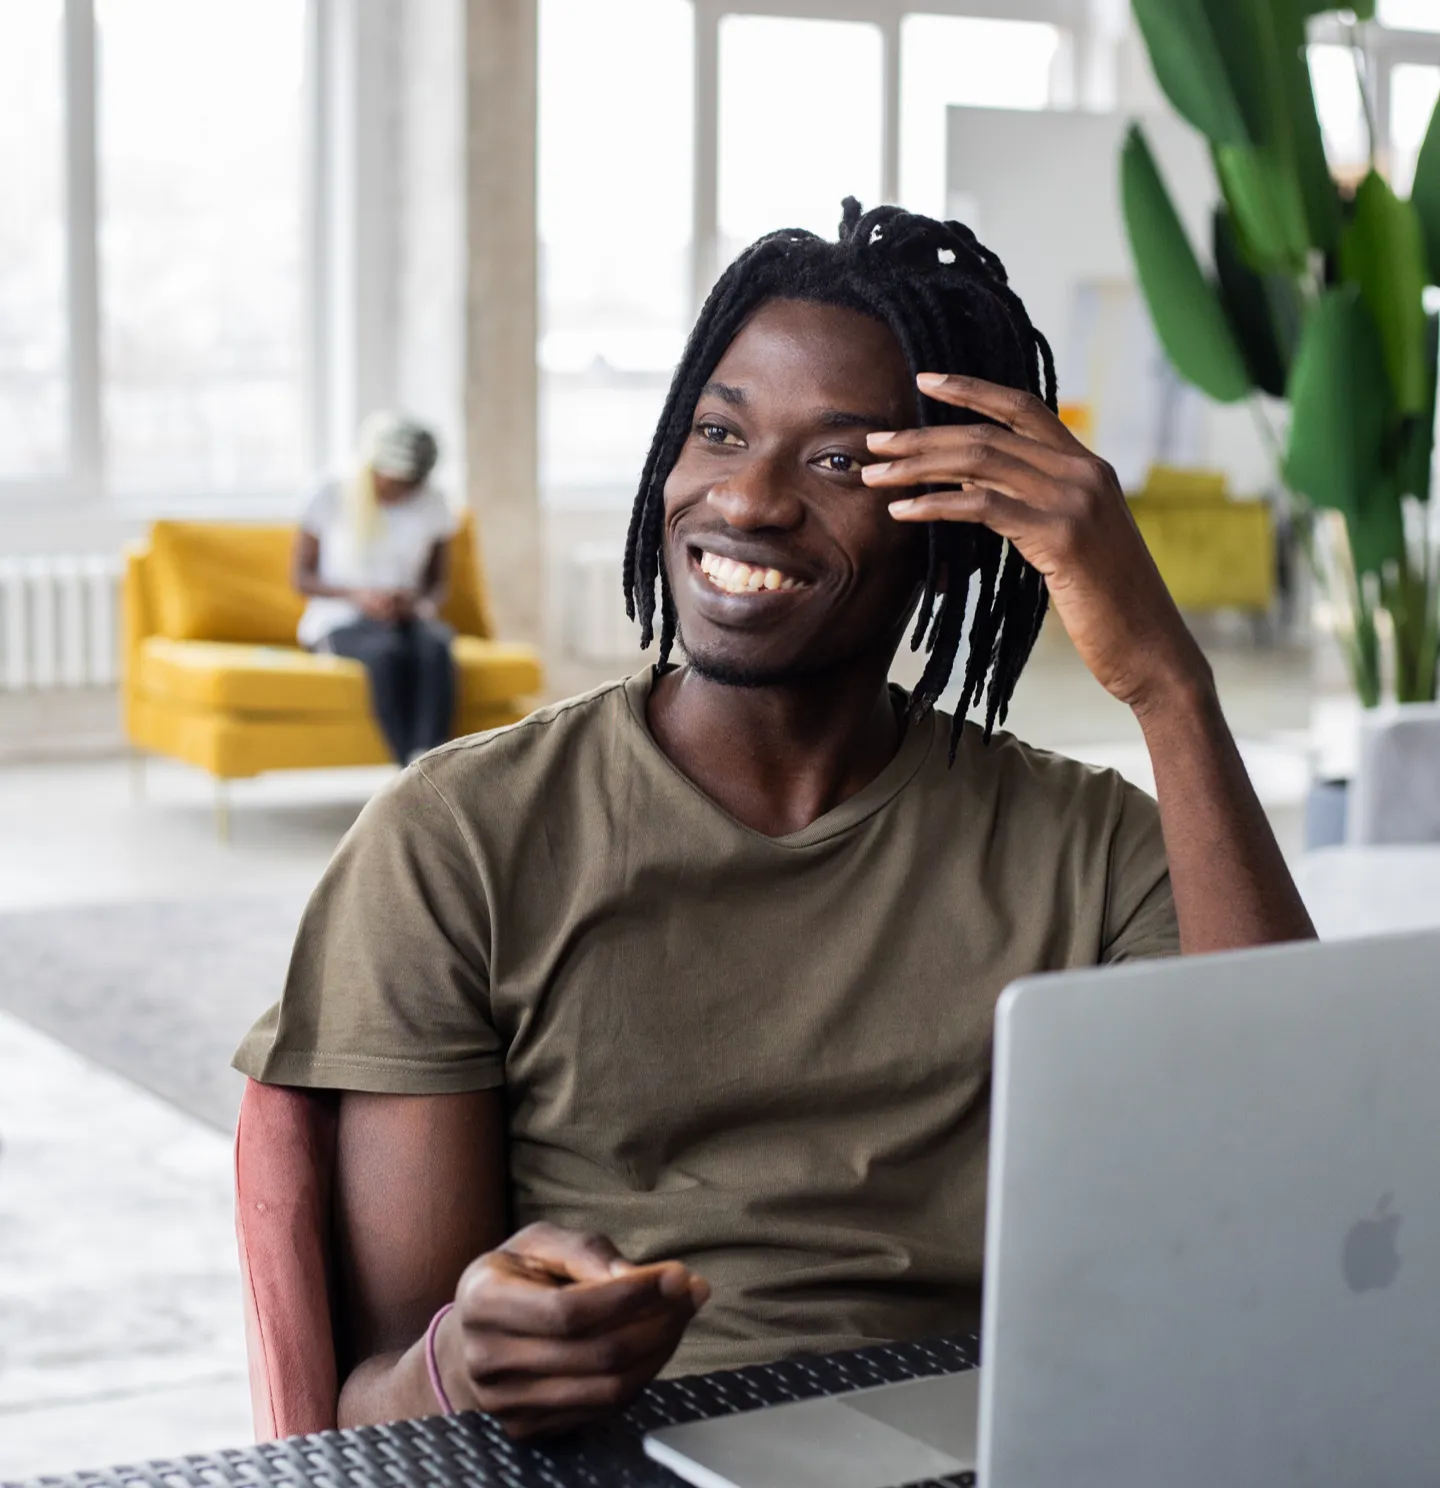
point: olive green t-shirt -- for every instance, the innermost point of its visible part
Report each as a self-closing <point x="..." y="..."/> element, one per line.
<point x="768" y="1057"/>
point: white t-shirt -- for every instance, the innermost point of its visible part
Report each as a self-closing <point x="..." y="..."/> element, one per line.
<point x="395" y="556"/>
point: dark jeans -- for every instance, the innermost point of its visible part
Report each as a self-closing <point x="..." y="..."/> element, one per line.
<point x="412" y="679"/>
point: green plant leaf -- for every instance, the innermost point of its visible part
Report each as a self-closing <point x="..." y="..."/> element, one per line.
<point x="1266" y="206"/>
<point x="1417" y="447"/>
<point x="1186" y="311"/>
<point x="1237" y="70"/>
<point x="1296" y="96"/>
<point x="1377" y="530"/>
<point x="1425" y="194"/>
<point x="1289" y="178"/>
<point x="1264" y="310"/>
<point x="1185" y="51"/>
<point x="1381" y="250"/>
<point x="1341" y="413"/>
<point x="1239" y="28"/>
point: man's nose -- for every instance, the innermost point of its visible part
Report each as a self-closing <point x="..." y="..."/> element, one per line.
<point x="755" y="495"/>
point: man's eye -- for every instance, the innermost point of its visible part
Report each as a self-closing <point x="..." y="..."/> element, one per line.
<point x="713" y="433"/>
<point x="841" y="463"/>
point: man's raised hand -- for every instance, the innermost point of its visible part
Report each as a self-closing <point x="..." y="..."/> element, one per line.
<point x="1028" y="479"/>
<point x="555" y="1329"/>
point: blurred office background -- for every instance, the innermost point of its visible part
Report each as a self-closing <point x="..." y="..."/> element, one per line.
<point x="231" y="228"/>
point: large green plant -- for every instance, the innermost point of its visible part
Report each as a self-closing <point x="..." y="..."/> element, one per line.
<point x="1316" y="296"/>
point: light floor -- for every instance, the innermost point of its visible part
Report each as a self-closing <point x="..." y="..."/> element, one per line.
<point x="120" y="1332"/>
<point x="120" y="1324"/>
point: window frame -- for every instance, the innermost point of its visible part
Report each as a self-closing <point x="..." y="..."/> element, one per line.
<point x="1071" y="16"/>
<point x="84" y="485"/>
<point x="1384" y="48"/>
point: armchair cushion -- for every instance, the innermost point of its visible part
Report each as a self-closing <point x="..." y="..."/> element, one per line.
<point x="229" y="677"/>
<point x="224" y="581"/>
<point x="231" y="581"/>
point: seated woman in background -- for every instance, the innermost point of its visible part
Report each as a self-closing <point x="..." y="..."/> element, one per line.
<point x="371" y="558"/>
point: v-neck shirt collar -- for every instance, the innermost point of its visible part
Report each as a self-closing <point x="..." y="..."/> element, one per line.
<point x="915" y="748"/>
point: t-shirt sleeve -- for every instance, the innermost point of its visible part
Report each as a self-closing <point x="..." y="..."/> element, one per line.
<point x="388" y="988"/>
<point x="319" y="511"/>
<point x="1139" y="907"/>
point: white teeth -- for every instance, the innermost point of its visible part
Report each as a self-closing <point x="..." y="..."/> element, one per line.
<point x="740" y="578"/>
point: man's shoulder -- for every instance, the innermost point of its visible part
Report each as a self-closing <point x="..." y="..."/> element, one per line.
<point x="549" y="738"/>
<point x="1014" y="772"/>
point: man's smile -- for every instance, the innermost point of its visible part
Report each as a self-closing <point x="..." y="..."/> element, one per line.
<point x="734" y="576"/>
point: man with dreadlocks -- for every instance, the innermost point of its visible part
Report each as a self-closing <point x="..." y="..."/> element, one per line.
<point x="693" y="977"/>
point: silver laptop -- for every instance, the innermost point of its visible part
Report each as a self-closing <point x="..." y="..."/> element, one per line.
<point x="1213" y="1245"/>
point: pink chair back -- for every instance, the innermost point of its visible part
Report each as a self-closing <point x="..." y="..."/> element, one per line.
<point x="284" y="1164"/>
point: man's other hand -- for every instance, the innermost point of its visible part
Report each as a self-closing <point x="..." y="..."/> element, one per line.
<point x="555" y="1329"/>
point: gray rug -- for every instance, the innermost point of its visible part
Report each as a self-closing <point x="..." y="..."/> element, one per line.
<point x="160" y="993"/>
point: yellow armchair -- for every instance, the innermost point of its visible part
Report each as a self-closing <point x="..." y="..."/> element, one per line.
<point x="1212" y="551"/>
<point x="213" y="676"/>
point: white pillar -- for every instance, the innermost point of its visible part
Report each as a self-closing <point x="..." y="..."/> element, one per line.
<point x="351" y="364"/>
<point x="501" y="312"/>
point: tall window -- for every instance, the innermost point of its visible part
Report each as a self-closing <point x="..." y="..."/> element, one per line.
<point x="1409" y="15"/>
<point x="200" y="157"/>
<point x="177" y="369"/>
<point x="1413" y="91"/>
<point x="1340" y="107"/>
<point x="616" y="123"/>
<point x="801" y="106"/>
<point x="34" y="401"/>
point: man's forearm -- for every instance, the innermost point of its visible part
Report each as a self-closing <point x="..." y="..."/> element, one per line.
<point x="1231" y="885"/>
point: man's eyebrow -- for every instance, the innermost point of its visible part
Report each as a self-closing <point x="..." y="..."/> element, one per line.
<point x="826" y="418"/>
<point x="734" y="396"/>
<point x="838" y="418"/>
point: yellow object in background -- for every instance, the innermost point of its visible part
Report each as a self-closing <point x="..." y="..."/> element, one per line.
<point x="213" y="675"/>
<point x="1213" y="552"/>
<point x="1077" y="418"/>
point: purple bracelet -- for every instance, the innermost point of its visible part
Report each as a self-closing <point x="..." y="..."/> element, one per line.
<point x="433" y="1365"/>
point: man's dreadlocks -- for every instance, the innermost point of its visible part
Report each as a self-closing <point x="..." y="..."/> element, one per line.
<point x="946" y="298"/>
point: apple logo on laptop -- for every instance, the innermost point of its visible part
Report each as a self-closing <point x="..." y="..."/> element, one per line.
<point x="1370" y="1258"/>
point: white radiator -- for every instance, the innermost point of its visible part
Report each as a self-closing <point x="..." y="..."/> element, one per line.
<point x="59" y="621"/>
<point x="595" y="625"/>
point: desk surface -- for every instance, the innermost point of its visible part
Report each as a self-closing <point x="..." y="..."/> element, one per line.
<point x="469" y="1451"/>
<point x="1388" y="890"/>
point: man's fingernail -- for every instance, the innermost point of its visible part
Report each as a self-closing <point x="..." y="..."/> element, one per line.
<point x="699" y="1291"/>
<point x="674" y="1282"/>
<point x="930" y="379"/>
<point x="879" y="441"/>
<point x="620" y="1268"/>
<point x="874" y="470"/>
<point x="899" y="508"/>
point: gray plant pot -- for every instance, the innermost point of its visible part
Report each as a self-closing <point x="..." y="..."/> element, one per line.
<point x="1325" y="811"/>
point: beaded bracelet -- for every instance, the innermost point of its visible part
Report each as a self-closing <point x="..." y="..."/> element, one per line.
<point x="432" y="1364"/>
